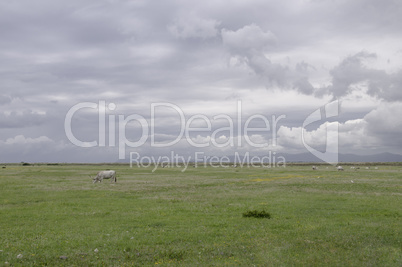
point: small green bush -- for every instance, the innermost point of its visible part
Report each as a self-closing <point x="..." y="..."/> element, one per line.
<point x="257" y="214"/>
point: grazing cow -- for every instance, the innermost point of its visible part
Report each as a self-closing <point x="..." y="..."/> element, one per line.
<point x="105" y="175"/>
<point x="314" y="168"/>
<point x="339" y="168"/>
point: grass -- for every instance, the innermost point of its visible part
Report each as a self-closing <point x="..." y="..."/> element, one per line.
<point x="53" y="215"/>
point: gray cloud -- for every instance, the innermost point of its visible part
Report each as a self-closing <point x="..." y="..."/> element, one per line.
<point x="5" y="99"/>
<point x="249" y="44"/>
<point x="191" y="26"/>
<point x="23" y="119"/>
<point x="352" y="71"/>
<point x="200" y="56"/>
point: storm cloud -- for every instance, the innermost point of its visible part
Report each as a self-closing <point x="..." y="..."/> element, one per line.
<point x="284" y="58"/>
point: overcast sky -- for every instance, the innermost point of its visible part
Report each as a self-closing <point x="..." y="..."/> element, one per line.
<point x="208" y="59"/>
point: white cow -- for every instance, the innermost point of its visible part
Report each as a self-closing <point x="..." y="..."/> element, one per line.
<point x="340" y="168"/>
<point x="105" y="175"/>
<point x="314" y="168"/>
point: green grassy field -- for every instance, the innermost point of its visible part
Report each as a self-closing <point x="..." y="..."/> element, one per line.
<point x="55" y="216"/>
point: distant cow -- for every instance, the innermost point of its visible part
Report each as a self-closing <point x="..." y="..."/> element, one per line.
<point x="105" y="175"/>
<point x="339" y="168"/>
<point x="314" y="168"/>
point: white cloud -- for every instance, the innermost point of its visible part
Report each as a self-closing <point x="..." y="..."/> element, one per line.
<point x="353" y="136"/>
<point x="22" y="140"/>
<point x="385" y="119"/>
<point x="292" y="137"/>
<point x="35" y="149"/>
